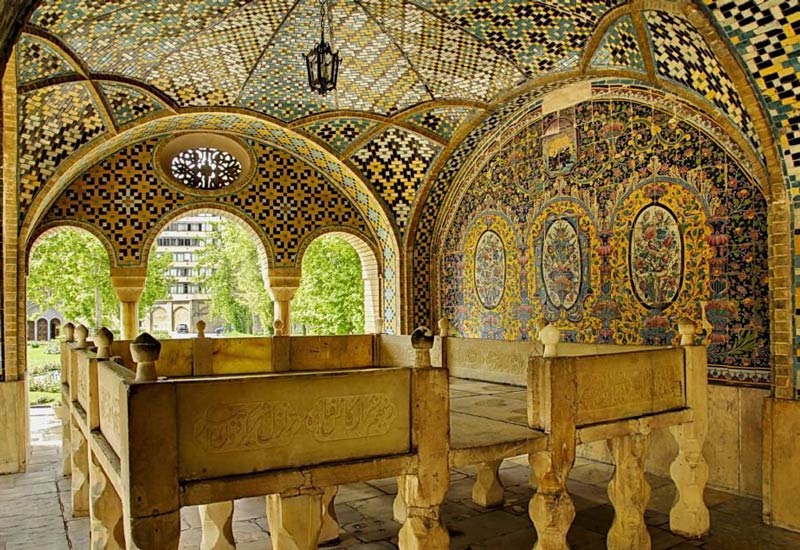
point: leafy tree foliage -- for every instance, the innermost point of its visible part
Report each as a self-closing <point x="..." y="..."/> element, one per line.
<point x="231" y="273"/>
<point x="70" y="271"/>
<point x="330" y="299"/>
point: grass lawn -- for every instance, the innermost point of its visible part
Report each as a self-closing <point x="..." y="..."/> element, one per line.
<point x="43" y="397"/>
<point x="38" y="357"/>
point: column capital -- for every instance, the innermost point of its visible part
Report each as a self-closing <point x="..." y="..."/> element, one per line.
<point x="128" y="282"/>
<point x="283" y="282"/>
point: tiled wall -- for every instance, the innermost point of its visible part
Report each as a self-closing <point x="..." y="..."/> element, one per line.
<point x="613" y="219"/>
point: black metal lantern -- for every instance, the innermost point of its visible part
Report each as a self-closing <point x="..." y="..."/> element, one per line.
<point x="321" y="62"/>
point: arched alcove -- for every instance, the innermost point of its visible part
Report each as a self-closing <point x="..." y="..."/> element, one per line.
<point x="185" y="235"/>
<point x="365" y="250"/>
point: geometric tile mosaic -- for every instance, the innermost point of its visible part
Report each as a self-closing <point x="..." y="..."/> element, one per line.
<point x="442" y="121"/>
<point x="767" y="37"/>
<point x="396" y="162"/>
<point x="129" y="38"/>
<point x="54" y="122"/>
<point x="619" y="47"/>
<point x="36" y="59"/>
<point x="375" y="74"/>
<point x="123" y="197"/>
<point x="479" y="72"/>
<point x="339" y="133"/>
<point x="539" y="37"/>
<point x="128" y="104"/>
<point x="682" y="55"/>
<point x="196" y="73"/>
<point x="278" y="85"/>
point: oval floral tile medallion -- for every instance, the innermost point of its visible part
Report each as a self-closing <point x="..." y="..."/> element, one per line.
<point x="656" y="257"/>
<point x="561" y="264"/>
<point x="490" y="269"/>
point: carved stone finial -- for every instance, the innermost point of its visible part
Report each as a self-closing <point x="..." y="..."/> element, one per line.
<point x="69" y="332"/>
<point x="81" y="334"/>
<point x="422" y="342"/>
<point x="687" y="329"/>
<point x="201" y="328"/>
<point x="145" y="351"/>
<point x="103" y="339"/>
<point x="550" y="336"/>
<point x="277" y="326"/>
<point x="444" y="327"/>
<point x="541" y="322"/>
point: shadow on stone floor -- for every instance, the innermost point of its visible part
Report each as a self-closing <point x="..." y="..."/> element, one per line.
<point x="35" y="511"/>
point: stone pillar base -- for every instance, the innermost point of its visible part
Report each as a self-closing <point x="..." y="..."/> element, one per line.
<point x="14" y="439"/>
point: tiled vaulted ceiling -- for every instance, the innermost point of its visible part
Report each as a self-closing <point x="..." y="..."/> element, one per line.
<point x="246" y="53"/>
<point x="432" y="72"/>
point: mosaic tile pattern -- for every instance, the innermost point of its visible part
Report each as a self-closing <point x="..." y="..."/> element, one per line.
<point x="375" y="74"/>
<point x="339" y="133"/>
<point x="54" y="123"/>
<point x="539" y="37"/>
<point x="279" y="83"/>
<point x="336" y="172"/>
<point x="396" y="163"/>
<point x="682" y="54"/>
<point x="123" y="197"/>
<point x="129" y="104"/>
<point x="36" y="60"/>
<point x="724" y="217"/>
<point x="442" y="121"/>
<point x="767" y="36"/>
<point x="129" y="37"/>
<point x="451" y="62"/>
<point x="194" y="74"/>
<point x="619" y="47"/>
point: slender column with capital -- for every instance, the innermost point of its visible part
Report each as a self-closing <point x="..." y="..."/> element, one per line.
<point x="128" y="283"/>
<point x="283" y="283"/>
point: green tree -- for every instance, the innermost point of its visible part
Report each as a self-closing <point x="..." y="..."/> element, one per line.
<point x="70" y="271"/>
<point x="231" y="273"/>
<point x="330" y="299"/>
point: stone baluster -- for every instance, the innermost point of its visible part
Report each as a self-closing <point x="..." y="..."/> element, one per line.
<point x="64" y="412"/>
<point x="425" y="489"/>
<point x="145" y="351"/>
<point x="107" y="527"/>
<point x="69" y="332"/>
<point x="79" y="444"/>
<point x="81" y="335"/>
<point x="488" y="490"/>
<point x="551" y="507"/>
<point x="550" y="336"/>
<point x="103" y="339"/>
<point x="217" y="525"/>
<point x="689" y="515"/>
<point x="295" y="521"/>
<point x="629" y="493"/>
<point x="105" y="507"/>
<point x="329" y="532"/>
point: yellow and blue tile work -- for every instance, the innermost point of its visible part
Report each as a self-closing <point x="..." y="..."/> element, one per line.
<point x="124" y="198"/>
<point x="643" y="194"/>
<point x="396" y="163"/>
<point x="619" y="47"/>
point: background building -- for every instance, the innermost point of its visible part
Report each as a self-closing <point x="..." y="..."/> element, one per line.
<point x="187" y="302"/>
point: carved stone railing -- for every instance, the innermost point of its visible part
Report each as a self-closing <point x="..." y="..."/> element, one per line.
<point x="148" y="446"/>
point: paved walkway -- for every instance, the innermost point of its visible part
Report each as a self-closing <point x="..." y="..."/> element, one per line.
<point x="35" y="511"/>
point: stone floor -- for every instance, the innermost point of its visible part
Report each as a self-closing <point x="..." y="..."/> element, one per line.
<point x="35" y="511"/>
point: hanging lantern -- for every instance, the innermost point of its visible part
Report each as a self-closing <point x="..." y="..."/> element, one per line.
<point x="322" y="63"/>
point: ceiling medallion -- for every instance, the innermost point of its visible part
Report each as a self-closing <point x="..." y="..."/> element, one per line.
<point x="322" y="63"/>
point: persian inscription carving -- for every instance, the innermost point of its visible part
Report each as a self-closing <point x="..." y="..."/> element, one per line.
<point x="246" y="426"/>
<point x="109" y="416"/>
<point x="511" y="363"/>
<point x="350" y="417"/>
